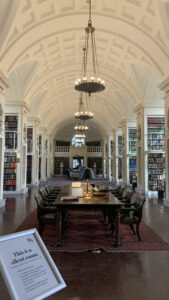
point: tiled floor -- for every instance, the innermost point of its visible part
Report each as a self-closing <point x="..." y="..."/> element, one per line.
<point x="104" y="276"/>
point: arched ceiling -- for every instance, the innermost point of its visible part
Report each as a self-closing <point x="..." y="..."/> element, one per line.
<point x="41" y="52"/>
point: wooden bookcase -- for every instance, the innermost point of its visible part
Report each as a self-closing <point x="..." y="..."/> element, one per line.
<point x="29" y="169"/>
<point x="156" y="155"/>
<point x="11" y="127"/>
<point x="119" y="153"/>
<point x="10" y="167"/>
<point x="132" y="140"/>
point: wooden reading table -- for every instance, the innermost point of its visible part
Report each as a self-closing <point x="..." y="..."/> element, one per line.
<point x="105" y="202"/>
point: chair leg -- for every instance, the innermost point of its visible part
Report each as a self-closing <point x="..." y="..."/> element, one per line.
<point x="137" y="230"/>
<point x="132" y="228"/>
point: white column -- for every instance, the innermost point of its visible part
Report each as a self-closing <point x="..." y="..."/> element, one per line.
<point x="114" y="156"/>
<point x="104" y="158"/>
<point x="3" y="85"/>
<point x="124" y="151"/>
<point x="35" y="156"/>
<point x="51" y="157"/>
<point x="109" y="157"/>
<point x="141" y="171"/>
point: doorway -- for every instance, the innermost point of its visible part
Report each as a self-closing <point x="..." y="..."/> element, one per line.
<point x="78" y="161"/>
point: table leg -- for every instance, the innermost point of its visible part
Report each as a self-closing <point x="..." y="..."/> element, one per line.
<point x="117" y="238"/>
<point x="59" y="228"/>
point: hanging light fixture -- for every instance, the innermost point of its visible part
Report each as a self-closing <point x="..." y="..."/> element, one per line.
<point x="81" y="127"/>
<point x="84" y="113"/>
<point x="90" y="82"/>
<point x="80" y="136"/>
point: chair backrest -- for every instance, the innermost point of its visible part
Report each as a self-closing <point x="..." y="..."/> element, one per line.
<point x="138" y="205"/>
<point x="39" y="200"/>
<point x="47" y="187"/>
<point x="52" y="188"/>
<point x="120" y="191"/>
<point x="43" y="193"/>
<point x="128" y="196"/>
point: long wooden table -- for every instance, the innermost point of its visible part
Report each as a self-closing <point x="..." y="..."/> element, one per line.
<point x="108" y="204"/>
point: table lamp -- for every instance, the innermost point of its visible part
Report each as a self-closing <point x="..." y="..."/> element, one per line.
<point x="88" y="175"/>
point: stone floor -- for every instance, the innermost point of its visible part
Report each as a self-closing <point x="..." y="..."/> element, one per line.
<point x="104" y="276"/>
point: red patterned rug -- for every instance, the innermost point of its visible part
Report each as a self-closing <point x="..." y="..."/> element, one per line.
<point x="85" y="231"/>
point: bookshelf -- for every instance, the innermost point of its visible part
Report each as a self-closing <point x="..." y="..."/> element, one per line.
<point x="132" y="139"/>
<point x="156" y="132"/>
<point x="119" y="145"/>
<point x="10" y="167"/>
<point x="11" y="126"/>
<point x="29" y="169"/>
<point x="119" y="153"/>
<point x="156" y="165"/>
<point x="120" y="168"/>
<point x="40" y="145"/>
<point x="39" y="172"/>
<point x="156" y="156"/>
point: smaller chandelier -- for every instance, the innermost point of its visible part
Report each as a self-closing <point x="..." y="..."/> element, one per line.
<point x="80" y="136"/>
<point x="81" y="127"/>
<point x="90" y="82"/>
<point x="84" y="113"/>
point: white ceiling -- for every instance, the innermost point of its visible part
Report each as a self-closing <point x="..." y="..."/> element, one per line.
<point x="41" y="42"/>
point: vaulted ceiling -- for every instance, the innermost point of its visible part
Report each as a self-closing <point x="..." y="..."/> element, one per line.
<point x="41" y="45"/>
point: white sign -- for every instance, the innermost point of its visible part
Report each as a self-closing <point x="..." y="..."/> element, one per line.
<point x="27" y="267"/>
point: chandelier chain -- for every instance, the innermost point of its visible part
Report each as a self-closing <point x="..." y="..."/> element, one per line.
<point x="90" y="9"/>
<point x="96" y="55"/>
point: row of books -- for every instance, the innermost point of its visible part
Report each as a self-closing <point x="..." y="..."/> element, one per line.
<point x="9" y="176"/>
<point x="10" y="165"/>
<point x="10" y="182"/>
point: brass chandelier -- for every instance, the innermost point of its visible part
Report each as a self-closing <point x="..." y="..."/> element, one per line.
<point x="90" y="82"/>
<point x="84" y="113"/>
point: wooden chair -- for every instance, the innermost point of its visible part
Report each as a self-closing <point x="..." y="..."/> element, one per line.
<point x="127" y="198"/>
<point x="45" y="196"/>
<point x="119" y="192"/>
<point x="45" y="214"/>
<point x="50" y="192"/>
<point x="54" y="188"/>
<point x="133" y="215"/>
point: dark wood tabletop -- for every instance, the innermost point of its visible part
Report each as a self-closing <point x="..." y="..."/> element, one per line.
<point x="105" y="202"/>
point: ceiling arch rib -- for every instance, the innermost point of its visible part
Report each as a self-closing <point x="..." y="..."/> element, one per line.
<point x="7" y="14"/>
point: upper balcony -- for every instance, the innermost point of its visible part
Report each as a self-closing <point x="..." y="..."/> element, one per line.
<point x="67" y="150"/>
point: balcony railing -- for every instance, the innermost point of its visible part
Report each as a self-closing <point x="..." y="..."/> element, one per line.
<point x="62" y="148"/>
<point x="94" y="149"/>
